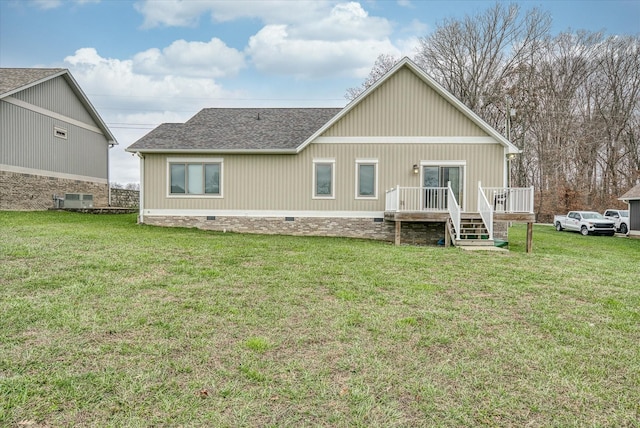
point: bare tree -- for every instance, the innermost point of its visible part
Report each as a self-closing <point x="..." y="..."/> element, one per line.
<point x="617" y="106"/>
<point x="383" y="64"/>
<point x="476" y="57"/>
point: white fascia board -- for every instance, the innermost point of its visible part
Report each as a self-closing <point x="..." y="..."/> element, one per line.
<point x="187" y="152"/>
<point x="44" y="173"/>
<point x="87" y="104"/>
<point x="260" y="213"/>
<point x="52" y="114"/>
<point x="405" y="140"/>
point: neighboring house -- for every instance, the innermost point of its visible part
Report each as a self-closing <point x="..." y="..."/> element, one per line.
<point x="402" y="162"/>
<point x="52" y="140"/>
<point x="632" y="197"/>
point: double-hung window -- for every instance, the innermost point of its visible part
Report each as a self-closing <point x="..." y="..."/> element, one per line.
<point x="366" y="179"/>
<point x="323" y="178"/>
<point x="195" y="177"/>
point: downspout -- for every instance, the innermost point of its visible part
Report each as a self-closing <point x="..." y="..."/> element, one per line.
<point x="111" y="145"/>
<point x="141" y="193"/>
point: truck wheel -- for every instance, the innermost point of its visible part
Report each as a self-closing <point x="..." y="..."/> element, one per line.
<point x="584" y="231"/>
<point x="558" y="226"/>
<point x="623" y="228"/>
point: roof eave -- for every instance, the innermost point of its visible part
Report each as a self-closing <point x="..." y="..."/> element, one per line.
<point x="214" y="151"/>
<point x="34" y="83"/>
<point x="87" y="104"/>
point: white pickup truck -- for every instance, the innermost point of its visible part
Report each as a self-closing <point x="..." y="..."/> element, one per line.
<point x="585" y="222"/>
<point x="620" y="218"/>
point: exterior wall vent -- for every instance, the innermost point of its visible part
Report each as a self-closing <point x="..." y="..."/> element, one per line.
<point x="78" y="200"/>
<point x="60" y="132"/>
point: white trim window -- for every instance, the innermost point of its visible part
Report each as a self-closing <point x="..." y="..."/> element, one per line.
<point x="195" y="177"/>
<point x="324" y="178"/>
<point x="366" y="178"/>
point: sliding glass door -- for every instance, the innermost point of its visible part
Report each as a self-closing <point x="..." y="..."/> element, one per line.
<point x="438" y="176"/>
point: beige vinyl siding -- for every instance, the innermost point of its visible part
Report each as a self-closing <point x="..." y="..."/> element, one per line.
<point x="285" y="182"/>
<point x="405" y="106"/>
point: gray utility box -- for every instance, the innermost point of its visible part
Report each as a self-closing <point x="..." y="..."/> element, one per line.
<point x="78" y="200"/>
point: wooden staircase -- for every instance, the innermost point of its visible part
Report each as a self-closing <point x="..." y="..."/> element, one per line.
<point x="473" y="231"/>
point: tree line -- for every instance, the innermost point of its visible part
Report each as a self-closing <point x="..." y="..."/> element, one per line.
<point x="570" y="102"/>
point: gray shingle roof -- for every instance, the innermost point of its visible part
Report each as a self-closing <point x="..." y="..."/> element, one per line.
<point x="633" y="193"/>
<point x="238" y="129"/>
<point x="12" y="79"/>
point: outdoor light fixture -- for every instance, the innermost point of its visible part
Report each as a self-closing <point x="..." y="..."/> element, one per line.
<point x="510" y="156"/>
<point x="416" y="169"/>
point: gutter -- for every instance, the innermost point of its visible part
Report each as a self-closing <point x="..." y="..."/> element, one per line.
<point x="111" y="146"/>
<point x="218" y="151"/>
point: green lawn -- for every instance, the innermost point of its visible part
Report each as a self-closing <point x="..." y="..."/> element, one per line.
<point x="104" y="322"/>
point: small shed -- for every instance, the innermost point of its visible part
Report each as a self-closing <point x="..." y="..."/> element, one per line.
<point x="632" y="198"/>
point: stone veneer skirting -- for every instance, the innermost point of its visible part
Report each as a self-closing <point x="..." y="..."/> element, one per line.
<point x="366" y="228"/>
<point x="35" y="192"/>
<point x="125" y="198"/>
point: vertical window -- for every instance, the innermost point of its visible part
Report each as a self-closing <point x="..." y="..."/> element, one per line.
<point x="212" y="178"/>
<point x="178" y="177"/>
<point x="195" y="178"/>
<point x="366" y="179"/>
<point x="323" y="178"/>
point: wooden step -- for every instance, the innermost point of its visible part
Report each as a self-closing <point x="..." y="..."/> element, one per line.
<point x="474" y="242"/>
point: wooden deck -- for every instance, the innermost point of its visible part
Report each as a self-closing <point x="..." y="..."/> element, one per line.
<point x="443" y="216"/>
<point x="417" y="216"/>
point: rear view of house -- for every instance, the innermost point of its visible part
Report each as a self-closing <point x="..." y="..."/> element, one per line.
<point x="403" y="162"/>
<point x="52" y="141"/>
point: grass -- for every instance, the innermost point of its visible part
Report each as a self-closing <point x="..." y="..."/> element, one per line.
<point x="108" y="323"/>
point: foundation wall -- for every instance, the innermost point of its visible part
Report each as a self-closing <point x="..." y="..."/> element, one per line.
<point x="365" y="228"/>
<point x="28" y="192"/>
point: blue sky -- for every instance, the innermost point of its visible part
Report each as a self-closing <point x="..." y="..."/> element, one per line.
<point x="146" y="62"/>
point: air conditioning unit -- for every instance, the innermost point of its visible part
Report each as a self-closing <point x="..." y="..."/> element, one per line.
<point x="78" y="200"/>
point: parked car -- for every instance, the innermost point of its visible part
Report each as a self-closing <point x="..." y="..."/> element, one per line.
<point x="620" y="218"/>
<point x="585" y="222"/>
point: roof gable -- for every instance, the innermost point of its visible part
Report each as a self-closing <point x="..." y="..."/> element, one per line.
<point x="14" y="80"/>
<point x="403" y="106"/>
<point x="449" y="104"/>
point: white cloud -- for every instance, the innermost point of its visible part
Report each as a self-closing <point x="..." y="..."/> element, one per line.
<point x="132" y="103"/>
<point x="52" y="4"/>
<point x="299" y="38"/>
<point x="212" y="59"/>
<point x="344" y="21"/>
<point x="176" y="13"/>
<point x="273" y="51"/>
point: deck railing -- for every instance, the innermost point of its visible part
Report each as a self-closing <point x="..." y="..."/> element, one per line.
<point x="454" y="210"/>
<point x="417" y="199"/>
<point x="485" y="210"/>
<point x="509" y="199"/>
